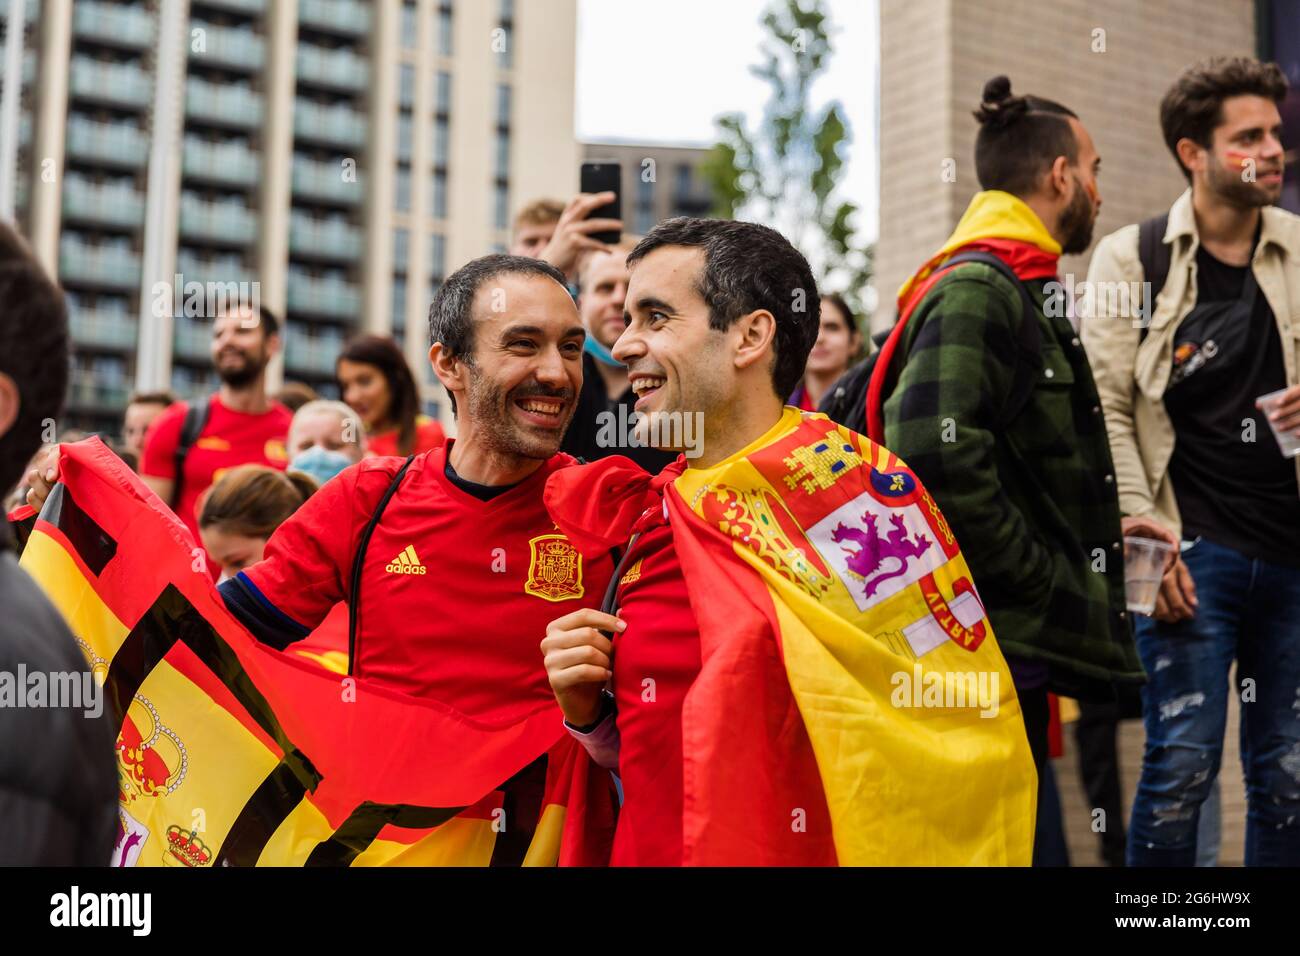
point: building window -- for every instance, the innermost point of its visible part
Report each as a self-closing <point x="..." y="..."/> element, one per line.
<point x="405" y="123"/>
<point x="406" y="85"/>
<point x="501" y="206"/>
<point x="410" y="24"/>
<point x="401" y="249"/>
<point x="442" y="93"/>
<point x="402" y="189"/>
<point x="444" y="27"/>
<point x="437" y="262"/>
<point x="439" y="204"/>
<point x="503" y="104"/>
<point x="399" y="306"/>
<point x="506" y="23"/>
<point x="645" y="216"/>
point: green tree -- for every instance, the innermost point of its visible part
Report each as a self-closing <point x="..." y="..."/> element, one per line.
<point x="786" y="171"/>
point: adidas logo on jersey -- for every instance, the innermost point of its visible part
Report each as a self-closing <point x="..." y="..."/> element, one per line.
<point x="405" y="563"/>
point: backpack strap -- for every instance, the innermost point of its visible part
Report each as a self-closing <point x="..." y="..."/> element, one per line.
<point x="196" y="418"/>
<point x="359" y="559"/>
<point x="1155" y="255"/>
<point x="1029" y="336"/>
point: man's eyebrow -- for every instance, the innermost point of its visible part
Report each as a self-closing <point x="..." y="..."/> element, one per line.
<point x="512" y="330"/>
<point x="651" y="302"/>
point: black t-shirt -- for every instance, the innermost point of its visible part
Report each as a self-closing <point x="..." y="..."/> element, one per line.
<point x="1230" y="490"/>
<point x="584" y="439"/>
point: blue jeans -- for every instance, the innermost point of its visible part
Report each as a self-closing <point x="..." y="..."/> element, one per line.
<point x="1249" y="610"/>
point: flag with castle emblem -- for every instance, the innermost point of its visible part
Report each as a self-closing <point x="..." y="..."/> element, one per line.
<point x="232" y="753"/>
<point x="823" y="546"/>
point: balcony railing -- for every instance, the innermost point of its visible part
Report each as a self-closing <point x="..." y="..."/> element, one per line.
<point x="86" y="390"/>
<point x="337" y="125"/>
<point x="122" y="84"/>
<point x="325" y="181"/>
<point x="312" y="354"/>
<point x="106" y="141"/>
<point x="220" y="162"/>
<point x="341" y="16"/>
<point x="240" y="6"/>
<point x="192" y="340"/>
<point x="329" y="297"/>
<point x="116" y="205"/>
<point x="194" y="269"/>
<point x="112" y="22"/>
<point x="119" y="268"/>
<point x="226" y="46"/>
<point x="228" y="105"/>
<point x="107" y="329"/>
<point x="329" y="238"/>
<point x="224" y="221"/>
<point x="336" y="69"/>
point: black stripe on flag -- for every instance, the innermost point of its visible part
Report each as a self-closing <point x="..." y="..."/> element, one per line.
<point x="362" y="826"/>
<point x="92" y="543"/>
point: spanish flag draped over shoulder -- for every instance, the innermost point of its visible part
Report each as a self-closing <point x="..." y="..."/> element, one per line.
<point x="845" y="654"/>
<point x="232" y="753"/>
<point x="995" y="221"/>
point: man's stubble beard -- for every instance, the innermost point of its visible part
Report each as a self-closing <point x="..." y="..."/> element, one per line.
<point x="489" y="407"/>
<point x="1228" y="185"/>
<point x="1077" y="221"/>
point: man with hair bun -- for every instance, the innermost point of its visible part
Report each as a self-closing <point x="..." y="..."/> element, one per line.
<point x="984" y="388"/>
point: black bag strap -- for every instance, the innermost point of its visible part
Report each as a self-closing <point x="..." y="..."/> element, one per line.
<point x="1029" y="336"/>
<point x="196" y="418"/>
<point x="359" y="559"/>
<point x="1155" y="256"/>
<point x="611" y="593"/>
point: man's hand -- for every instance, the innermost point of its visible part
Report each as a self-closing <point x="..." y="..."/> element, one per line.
<point x="1284" y="412"/>
<point x="1140" y="526"/>
<point x="578" y="661"/>
<point x="572" y="239"/>
<point x="1177" y="598"/>
<point x="41" y="479"/>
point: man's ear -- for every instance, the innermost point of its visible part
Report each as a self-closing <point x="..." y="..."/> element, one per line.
<point x="274" y="343"/>
<point x="1191" y="153"/>
<point x="1058" y="178"/>
<point x="757" y="331"/>
<point x="10" y="402"/>
<point x="451" y="371"/>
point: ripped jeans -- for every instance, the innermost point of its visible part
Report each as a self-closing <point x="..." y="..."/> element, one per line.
<point x="1250" y="610"/>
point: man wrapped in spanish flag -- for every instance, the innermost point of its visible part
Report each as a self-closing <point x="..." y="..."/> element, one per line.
<point x="798" y="669"/>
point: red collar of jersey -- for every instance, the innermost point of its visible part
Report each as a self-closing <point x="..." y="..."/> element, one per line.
<point x="601" y="505"/>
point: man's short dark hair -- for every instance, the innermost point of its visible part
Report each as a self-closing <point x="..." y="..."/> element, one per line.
<point x="1020" y="138"/>
<point x="451" y="316"/>
<point x="33" y="351"/>
<point x="163" y="398"/>
<point x="749" y="267"/>
<point x="1193" y="107"/>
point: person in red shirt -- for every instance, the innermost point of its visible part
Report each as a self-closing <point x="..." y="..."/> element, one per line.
<point x="374" y="379"/>
<point x="836" y="348"/>
<point x="731" y="358"/>
<point x="456" y="562"/>
<point x="243" y="426"/>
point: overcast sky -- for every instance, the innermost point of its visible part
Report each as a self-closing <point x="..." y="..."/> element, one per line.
<point x="661" y="70"/>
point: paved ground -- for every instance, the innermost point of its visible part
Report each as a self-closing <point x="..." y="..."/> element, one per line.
<point x="1084" y="844"/>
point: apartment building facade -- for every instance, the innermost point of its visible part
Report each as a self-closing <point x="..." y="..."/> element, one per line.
<point x="333" y="158"/>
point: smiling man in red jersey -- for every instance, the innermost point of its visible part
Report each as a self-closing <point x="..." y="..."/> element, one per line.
<point x="778" y="597"/>
<point x="448" y="559"/>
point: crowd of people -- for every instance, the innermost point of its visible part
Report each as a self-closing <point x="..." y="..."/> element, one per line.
<point x="1049" y="432"/>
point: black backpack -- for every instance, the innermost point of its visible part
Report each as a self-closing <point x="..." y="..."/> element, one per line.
<point x="196" y="416"/>
<point x="845" y="402"/>
<point x="1154" y="256"/>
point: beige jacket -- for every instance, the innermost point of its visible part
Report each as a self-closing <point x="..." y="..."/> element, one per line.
<point x="1131" y="377"/>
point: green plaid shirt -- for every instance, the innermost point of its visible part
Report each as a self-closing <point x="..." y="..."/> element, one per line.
<point x="1033" y="504"/>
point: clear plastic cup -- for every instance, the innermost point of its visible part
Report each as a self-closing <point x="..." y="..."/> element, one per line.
<point x="1144" y="566"/>
<point x="1286" y="441"/>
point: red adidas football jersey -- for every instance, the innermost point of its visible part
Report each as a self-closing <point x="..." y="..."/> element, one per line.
<point x="229" y="438"/>
<point x="456" y="592"/>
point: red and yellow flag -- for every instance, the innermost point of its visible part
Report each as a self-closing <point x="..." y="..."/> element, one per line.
<point x="852" y="705"/>
<point x="232" y="753"/>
